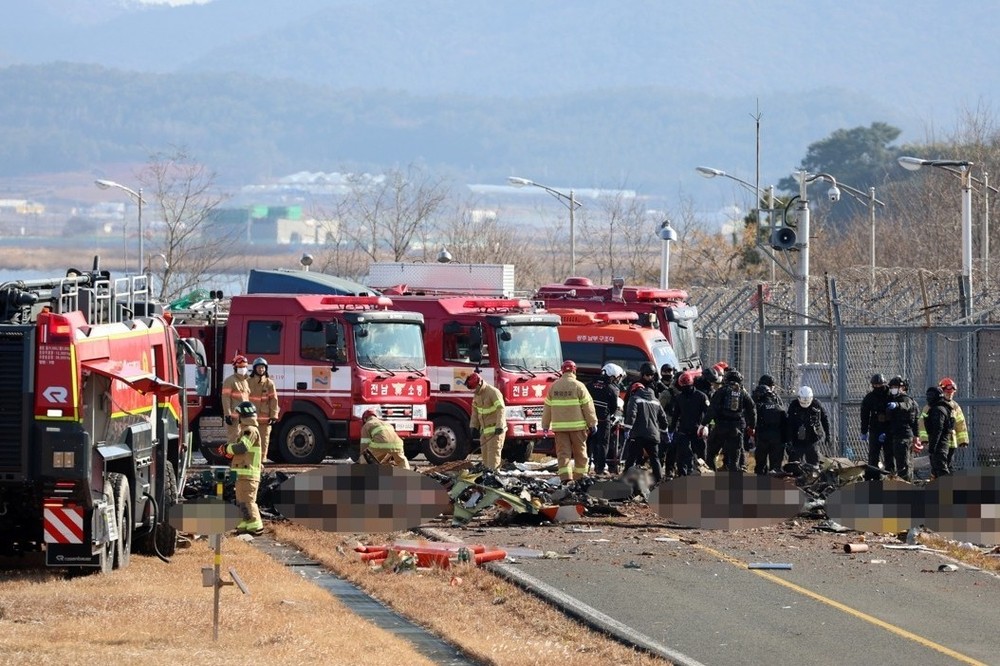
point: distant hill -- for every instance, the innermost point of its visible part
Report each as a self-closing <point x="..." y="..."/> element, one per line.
<point x="585" y="93"/>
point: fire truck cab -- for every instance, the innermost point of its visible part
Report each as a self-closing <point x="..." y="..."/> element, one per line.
<point x="666" y="309"/>
<point x="331" y="357"/>
<point x="510" y="343"/>
<point x="592" y="339"/>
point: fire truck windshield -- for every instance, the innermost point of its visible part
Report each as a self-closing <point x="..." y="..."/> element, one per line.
<point x="682" y="337"/>
<point x="529" y="347"/>
<point x="389" y="346"/>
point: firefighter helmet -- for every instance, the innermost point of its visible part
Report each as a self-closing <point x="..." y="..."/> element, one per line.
<point x="473" y="381"/>
<point x="239" y="361"/>
<point x="686" y="379"/>
<point x="805" y="396"/>
<point x="635" y="387"/>
<point x="370" y="412"/>
<point x="246" y="410"/>
<point x="613" y="371"/>
<point x="948" y="384"/>
<point x="569" y="366"/>
<point x="260" y="360"/>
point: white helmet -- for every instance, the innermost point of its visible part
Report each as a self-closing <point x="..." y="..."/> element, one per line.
<point x="805" y="396"/>
<point x="613" y="371"/>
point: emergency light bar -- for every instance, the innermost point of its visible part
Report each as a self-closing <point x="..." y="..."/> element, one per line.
<point x="356" y="302"/>
<point x="497" y="304"/>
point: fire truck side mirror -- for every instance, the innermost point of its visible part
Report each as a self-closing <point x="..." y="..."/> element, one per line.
<point x="505" y="335"/>
<point x="332" y="336"/>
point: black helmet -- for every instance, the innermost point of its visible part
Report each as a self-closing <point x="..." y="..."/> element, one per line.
<point x="246" y="410"/>
<point x="710" y="375"/>
<point x="935" y="394"/>
<point x="667" y="368"/>
<point x="766" y="380"/>
<point x="897" y="381"/>
<point x="734" y="377"/>
<point x="648" y="369"/>
<point x="878" y="379"/>
<point x="260" y="360"/>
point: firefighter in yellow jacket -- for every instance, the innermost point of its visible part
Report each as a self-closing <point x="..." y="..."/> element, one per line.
<point x="246" y="463"/>
<point x="569" y="412"/>
<point x="264" y="396"/>
<point x="488" y="419"/>
<point x="381" y="441"/>
<point x="235" y="389"/>
<point x="960" y="433"/>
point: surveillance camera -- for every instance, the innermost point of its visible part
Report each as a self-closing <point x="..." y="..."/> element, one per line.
<point x="834" y="193"/>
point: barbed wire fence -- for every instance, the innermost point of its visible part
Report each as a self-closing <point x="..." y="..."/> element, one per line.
<point x="904" y="322"/>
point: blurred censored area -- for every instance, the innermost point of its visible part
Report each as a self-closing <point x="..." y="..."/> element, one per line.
<point x="361" y="498"/>
<point x="727" y="501"/>
<point x="204" y="515"/>
<point x="964" y="506"/>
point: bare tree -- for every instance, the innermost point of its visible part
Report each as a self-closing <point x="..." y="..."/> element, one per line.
<point x="385" y="213"/>
<point x="181" y="194"/>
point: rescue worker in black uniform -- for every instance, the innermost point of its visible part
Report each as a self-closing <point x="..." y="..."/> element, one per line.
<point x="901" y="412"/>
<point x="687" y="412"/>
<point x="732" y="410"/>
<point x="645" y="419"/>
<point x="940" y="424"/>
<point x="874" y="424"/>
<point x="665" y="390"/>
<point x="708" y="381"/>
<point x="604" y="390"/>
<point x="770" y="432"/>
<point x="806" y="427"/>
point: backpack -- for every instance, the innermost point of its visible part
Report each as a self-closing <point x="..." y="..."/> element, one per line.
<point x="732" y="402"/>
<point x="769" y="408"/>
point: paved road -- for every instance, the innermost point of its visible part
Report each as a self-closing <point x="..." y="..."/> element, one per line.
<point x="706" y="604"/>
<point x="701" y="601"/>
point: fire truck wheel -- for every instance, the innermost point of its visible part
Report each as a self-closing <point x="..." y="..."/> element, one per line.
<point x="450" y="441"/>
<point x="107" y="557"/>
<point x="302" y="441"/>
<point x="164" y="539"/>
<point x="123" y="513"/>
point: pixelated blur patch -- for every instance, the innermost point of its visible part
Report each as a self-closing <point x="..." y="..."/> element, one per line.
<point x="727" y="501"/>
<point x="878" y="506"/>
<point x="965" y="506"/>
<point x="361" y="498"/>
<point x="204" y="515"/>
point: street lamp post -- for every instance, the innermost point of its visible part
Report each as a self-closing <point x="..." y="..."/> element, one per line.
<point x="668" y="235"/>
<point x="567" y="200"/>
<point x="137" y="195"/>
<point x="962" y="169"/>
<point x="762" y="195"/>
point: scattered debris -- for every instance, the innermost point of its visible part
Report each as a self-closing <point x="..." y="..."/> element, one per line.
<point x="831" y="526"/>
<point x="632" y="565"/>
<point x="406" y="555"/>
<point x="947" y="567"/>
<point x="876" y="561"/>
<point x="666" y="539"/>
<point x="855" y="548"/>
<point x="768" y="565"/>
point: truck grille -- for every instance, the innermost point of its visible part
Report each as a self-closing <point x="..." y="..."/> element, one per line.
<point x="533" y="411"/>
<point x="15" y="345"/>
<point x="397" y="411"/>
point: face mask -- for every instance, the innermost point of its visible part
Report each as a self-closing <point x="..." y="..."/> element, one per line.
<point x="242" y="372"/>
<point x="805" y="402"/>
<point x="894" y="391"/>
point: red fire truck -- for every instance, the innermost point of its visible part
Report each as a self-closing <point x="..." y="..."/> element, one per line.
<point x="331" y="358"/>
<point x="93" y="434"/>
<point x="666" y="309"/>
<point x="472" y="326"/>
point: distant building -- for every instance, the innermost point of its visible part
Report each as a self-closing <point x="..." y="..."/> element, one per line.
<point x="271" y="224"/>
<point x="21" y="207"/>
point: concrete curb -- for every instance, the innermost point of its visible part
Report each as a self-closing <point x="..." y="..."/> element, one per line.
<point x="575" y="608"/>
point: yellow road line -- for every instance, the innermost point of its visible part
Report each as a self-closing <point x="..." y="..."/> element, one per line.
<point x="899" y="631"/>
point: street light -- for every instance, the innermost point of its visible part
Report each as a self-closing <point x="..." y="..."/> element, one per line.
<point x="567" y="200"/>
<point x="668" y="235"/>
<point x="767" y="196"/>
<point x="960" y="168"/>
<point x="106" y="184"/>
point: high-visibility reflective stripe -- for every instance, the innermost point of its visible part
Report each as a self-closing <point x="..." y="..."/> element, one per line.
<point x="489" y="410"/>
<point x="564" y="470"/>
<point x="568" y="402"/>
<point x="569" y="425"/>
<point x="385" y="446"/>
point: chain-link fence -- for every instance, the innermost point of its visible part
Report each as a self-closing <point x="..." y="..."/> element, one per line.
<point x="906" y="324"/>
